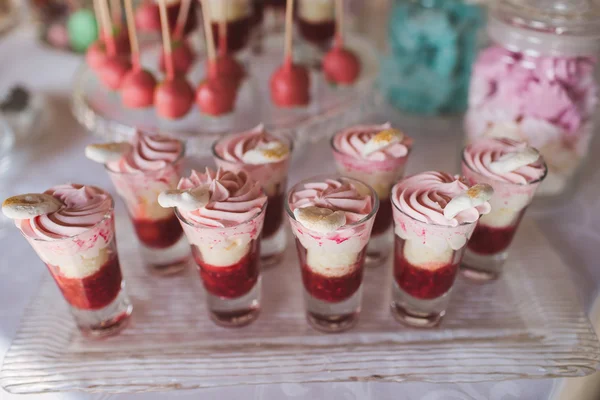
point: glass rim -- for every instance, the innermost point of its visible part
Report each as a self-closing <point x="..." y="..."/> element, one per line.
<point x="536" y="181"/>
<point x="320" y="178"/>
<point x="336" y="150"/>
<point x="198" y="226"/>
<point x="107" y="215"/>
<point x="397" y="207"/>
<point x="213" y="148"/>
<point x="179" y="158"/>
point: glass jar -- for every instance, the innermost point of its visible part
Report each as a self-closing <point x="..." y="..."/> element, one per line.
<point x="431" y="47"/>
<point x="538" y="82"/>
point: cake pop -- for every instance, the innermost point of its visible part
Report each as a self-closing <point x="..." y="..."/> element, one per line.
<point x="183" y="55"/>
<point x="114" y="68"/>
<point x="137" y="88"/>
<point x="217" y="93"/>
<point x="340" y="65"/>
<point x="120" y="34"/>
<point x="96" y="53"/>
<point x="82" y="28"/>
<point x="173" y="97"/>
<point x="225" y="65"/>
<point x="147" y="17"/>
<point x="290" y="83"/>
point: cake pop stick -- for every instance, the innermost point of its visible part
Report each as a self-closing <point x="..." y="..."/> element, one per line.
<point x="223" y="29"/>
<point x="114" y="69"/>
<point x="182" y="54"/>
<point x="290" y="83"/>
<point x="182" y="17"/>
<point x="174" y="96"/>
<point x="340" y="65"/>
<point x="137" y="88"/>
<point x="216" y="94"/>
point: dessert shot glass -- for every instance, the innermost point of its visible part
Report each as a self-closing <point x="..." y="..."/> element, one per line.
<point x="331" y="218"/>
<point x="515" y="171"/>
<point x="222" y="214"/>
<point x="376" y="155"/>
<point x="71" y="228"/>
<point x="140" y="172"/>
<point x="266" y="158"/>
<point x="434" y="216"/>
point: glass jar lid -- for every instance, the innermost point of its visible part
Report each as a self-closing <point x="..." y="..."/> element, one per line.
<point x="556" y="27"/>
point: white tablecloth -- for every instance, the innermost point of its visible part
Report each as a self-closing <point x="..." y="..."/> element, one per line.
<point x="57" y="157"/>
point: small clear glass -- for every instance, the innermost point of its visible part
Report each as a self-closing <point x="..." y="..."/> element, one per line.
<point x="426" y="262"/>
<point x="381" y="176"/>
<point x="97" y="300"/>
<point x="487" y="249"/>
<point x="228" y="262"/>
<point x="273" y="179"/>
<point x="162" y="242"/>
<point x="332" y="264"/>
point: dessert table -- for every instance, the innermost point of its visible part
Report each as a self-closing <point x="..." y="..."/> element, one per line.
<point x="57" y="156"/>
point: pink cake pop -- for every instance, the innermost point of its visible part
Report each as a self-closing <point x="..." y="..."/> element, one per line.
<point x="340" y="65"/>
<point x="226" y="66"/>
<point x="96" y="54"/>
<point x="290" y="83"/>
<point x="120" y="34"/>
<point x="147" y="17"/>
<point x="173" y="97"/>
<point x="114" y="68"/>
<point x="137" y="88"/>
<point x="217" y="93"/>
<point x="183" y="55"/>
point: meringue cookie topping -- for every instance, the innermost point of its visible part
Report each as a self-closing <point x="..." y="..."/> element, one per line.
<point x="372" y="142"/>
<point x="234" y="198"/>
<point x="83" y="207"/>
<point x="334" y="195"/>
<point x="489" y="157"/>
<point x="252" y="147"/>
<point x="424" y="196"/>
<point x="148" y="153"/>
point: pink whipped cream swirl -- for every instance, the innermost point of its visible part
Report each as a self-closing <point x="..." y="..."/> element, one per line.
<point x="511" y="86"/>
<point x="480" y="154"/>
<point x="149" y="153"/>
<point x="424" y="196"/>
<point x="83" y="208"/>
<point x="234" y="198"/>
<point x="233" y="147"/>
<point x="352" y="142"/>
<point x="336" y="195"/>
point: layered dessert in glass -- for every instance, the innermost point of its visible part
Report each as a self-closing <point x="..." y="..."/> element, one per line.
<point x="515" y="171"/>
<point x="331" y="218"/>
<point x="434" y="213"/>
<point x="71" y="228"/>
<point x="140" y="171"/>
<point x="376" y="155"/>
<point x="222" y="214"/>
<point x="266" y="158"/>
<point x="238" y="15"/>
<point x="316" y="21"/>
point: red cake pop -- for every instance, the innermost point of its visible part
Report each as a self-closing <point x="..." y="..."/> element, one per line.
<point x="120" y="34"/>
<point x="96" y="55"/>
<point x="290" y="83"/>
<point x="174" y="96"/>
<point x="137" y="88"/>
<point x="147" y="17"/>
<point x="217" y="93"/>
<point x="340" y="65"/>
<point x="183" y="55"/>
<point x="226" y="66"/>
<point x="114" y="68"/>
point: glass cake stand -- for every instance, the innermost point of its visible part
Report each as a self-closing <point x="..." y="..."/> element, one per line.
<point x="332" y="107"/>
